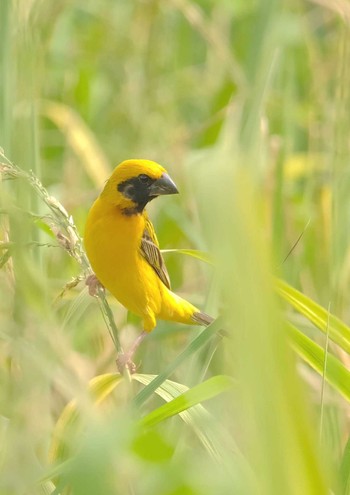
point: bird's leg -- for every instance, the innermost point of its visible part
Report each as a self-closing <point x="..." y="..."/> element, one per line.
<point x="125" y="360"/>
<point x="93" y="284"/>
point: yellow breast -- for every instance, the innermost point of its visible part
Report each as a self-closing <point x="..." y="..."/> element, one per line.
<point x="112" y="242"/>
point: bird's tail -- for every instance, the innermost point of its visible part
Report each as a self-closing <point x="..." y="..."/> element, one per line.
<point x="202" y="318"/>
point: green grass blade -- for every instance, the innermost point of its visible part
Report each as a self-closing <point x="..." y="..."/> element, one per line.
<point x="99" y="389"/>
<point x="344" y="472"/>
<point x="217" y="442"/>
<point x="336" y="374"/>
<point x="80" y="138"/>
<point x="319" y="316"/>
<point x="204" y="391"/>
<point x="192" y="348"/>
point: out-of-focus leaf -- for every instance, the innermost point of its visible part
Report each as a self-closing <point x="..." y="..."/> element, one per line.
<point x="303" y="165"/>
<point x="319" y="316"/>
<point x="5" y="257"/>
<point x="192" y="348"/>
<point x="192" y="397"/>
<point x="207" y="429"/>
<point x="335" y="373"/>
<point x="179" y="400"/>
<point x="345" y="470"/>
<point x="81" y="139"/>
<point x="99" y="388"/>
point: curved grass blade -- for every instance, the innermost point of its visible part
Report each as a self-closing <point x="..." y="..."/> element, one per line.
<point x="219" y="444"/>
<point x="193" y="347"/>
<point x="81" y="139"/>
<point x="344" y="472"/>
<point x="319" y="316"/>
<point x="198" y="415"/>
<point x="191" y="397"/>
<point x="99" y="388"/>
<point x="335" y="373"/>
<point x="179" y="399"/>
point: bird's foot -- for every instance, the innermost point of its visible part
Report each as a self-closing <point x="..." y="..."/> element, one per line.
<point x="94" y="285"/>
<point x="124" y="362"/>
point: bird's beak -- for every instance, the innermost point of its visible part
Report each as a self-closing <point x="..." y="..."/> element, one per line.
<point x="163" y="185"/>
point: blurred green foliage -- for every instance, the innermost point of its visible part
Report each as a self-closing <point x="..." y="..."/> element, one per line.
<point x="246" y="104"/>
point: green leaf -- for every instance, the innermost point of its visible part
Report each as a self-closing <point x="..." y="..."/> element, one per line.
<point x="218" y="443"/>
<point x="345" y="469"/>
<point x="5" y="257"/>
<point x="80" y="138"/>
<point x="99" y="388"/>
<point x="191" y="349"/>
<point x="336" y="374"/>
<point x="319" y="316"/>
<point x="204" y="391"/>
<point x="151" y="446"/>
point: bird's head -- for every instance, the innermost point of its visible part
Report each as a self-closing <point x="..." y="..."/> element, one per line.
<point x="136" y="182"/>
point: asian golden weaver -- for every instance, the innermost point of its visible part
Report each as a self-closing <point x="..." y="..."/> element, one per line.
<point x="123" y="249"/>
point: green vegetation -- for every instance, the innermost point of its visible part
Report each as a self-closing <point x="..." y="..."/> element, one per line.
<point x="246" y="105"/>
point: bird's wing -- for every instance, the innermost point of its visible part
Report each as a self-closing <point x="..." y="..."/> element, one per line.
<point x="150" y="251"/>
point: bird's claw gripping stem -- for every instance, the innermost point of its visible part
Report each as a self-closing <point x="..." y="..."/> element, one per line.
<point x="124" y="361"/>
<point x="94" y="285"/>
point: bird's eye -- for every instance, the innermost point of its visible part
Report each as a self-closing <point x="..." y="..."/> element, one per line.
<point x="144" y="179"/>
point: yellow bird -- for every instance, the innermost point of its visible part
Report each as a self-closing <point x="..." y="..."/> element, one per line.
<point x="123" y="249"/>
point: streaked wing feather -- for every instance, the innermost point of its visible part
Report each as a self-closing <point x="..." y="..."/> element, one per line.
<point x="150" y="251"/>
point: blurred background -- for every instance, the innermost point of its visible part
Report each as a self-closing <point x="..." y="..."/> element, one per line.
<point x="246" y="104"/>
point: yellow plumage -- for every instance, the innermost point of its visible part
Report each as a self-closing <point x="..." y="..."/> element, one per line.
<point x="123" y="249"/>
